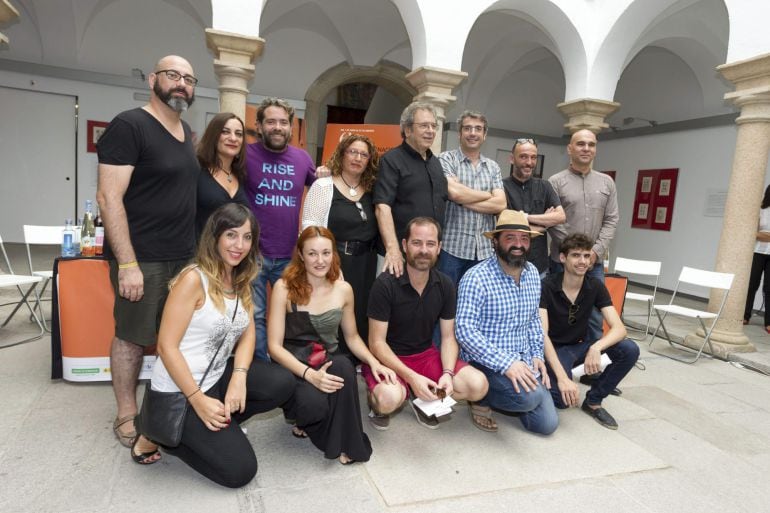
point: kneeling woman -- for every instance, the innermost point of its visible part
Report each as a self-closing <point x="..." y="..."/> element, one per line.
<point x="210" y="304"/>
<point x="307" y="307"/>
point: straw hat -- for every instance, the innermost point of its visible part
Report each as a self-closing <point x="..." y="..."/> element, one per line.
<point x="512" y="220"/>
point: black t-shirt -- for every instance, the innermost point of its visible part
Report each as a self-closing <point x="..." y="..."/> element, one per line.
<point x="411" y="317"/>
<point x="412" y="187"/>
<point x="592" y="294"/>
<point x="160" y="198"/>
<point x="534" y="196"/>
<point x="211" y="196"/>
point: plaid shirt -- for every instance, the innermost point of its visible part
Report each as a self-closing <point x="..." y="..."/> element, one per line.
<point x="497" y="320"/>
<point x="463" y="227"/>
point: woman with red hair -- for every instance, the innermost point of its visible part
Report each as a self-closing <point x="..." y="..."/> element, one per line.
<point x="308" y="305"/>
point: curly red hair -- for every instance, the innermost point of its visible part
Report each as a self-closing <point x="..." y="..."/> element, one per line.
<point x="295" y="275"/>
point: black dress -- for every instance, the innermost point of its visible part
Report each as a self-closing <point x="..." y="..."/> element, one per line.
<point x="360" y="268"/>
<point x="211" y="196"/>
<point x="332" y="421"/>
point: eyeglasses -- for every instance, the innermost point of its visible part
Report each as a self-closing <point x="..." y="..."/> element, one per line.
<point x="361" y="212"/>
<point x="174" y="76"/>
<point x="572" y="313"/>
<point x="425" y="126"/>
<point x="516" y="142"/>
<point x="473" y="128"/>
<point x="355" y="153"/>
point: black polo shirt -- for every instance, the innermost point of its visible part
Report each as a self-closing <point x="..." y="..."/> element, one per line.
<point x="411" y="317"/>
<point x="411" y="186"/>
<point x="534" y="196"/>
<point x="592" y="294"/>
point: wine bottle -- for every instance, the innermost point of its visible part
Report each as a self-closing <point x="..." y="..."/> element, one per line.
<point x="99" y="232"/>
<point x="88" y="232"/>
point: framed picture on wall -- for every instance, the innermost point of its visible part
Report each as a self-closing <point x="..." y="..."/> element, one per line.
<point x="654" y="200"/>
<point x="95" y="130"/>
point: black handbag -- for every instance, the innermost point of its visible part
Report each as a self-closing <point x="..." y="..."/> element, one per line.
<point x="161" y="418"/>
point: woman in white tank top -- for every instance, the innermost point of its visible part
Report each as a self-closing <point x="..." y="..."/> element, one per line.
<point x="210" y="304"/>
<point x="760" y="263"/>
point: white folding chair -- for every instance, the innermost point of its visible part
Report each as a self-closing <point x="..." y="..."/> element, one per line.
<point x="41" y="235"/>
<point x="701" y="278"/>
<point x="643" y="268"/>
<point x="15" y="280"/>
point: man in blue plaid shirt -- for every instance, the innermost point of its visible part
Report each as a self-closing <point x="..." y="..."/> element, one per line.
<point x="499" y="329"/>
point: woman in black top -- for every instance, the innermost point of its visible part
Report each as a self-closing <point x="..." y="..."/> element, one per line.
<point x="342" y="203"/>
<point x="222" y="157"/>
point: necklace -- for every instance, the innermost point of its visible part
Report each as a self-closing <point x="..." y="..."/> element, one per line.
<point x="228" y="173"/>
<point x="232" y="291"/>
<point x="351" y="190"/>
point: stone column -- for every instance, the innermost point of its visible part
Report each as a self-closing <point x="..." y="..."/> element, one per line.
<point x="587" y="113"/>
<point x="744" y="196"/>
<point x="434" y="86"/>
<point x="233" y="65"/>
<point x="7" y="13"/>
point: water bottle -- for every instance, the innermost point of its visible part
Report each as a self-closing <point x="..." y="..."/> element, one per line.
<point x="68" y="240"/>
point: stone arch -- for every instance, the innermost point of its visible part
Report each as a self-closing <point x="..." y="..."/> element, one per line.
<point x="385" y="74"/>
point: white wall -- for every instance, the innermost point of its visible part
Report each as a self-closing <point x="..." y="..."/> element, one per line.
<point x="96" y="102"/>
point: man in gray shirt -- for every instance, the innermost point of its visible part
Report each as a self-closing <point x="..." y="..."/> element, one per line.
<point x="590" y="202"/>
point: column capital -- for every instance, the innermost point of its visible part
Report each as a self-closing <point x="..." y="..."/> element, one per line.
<point x="587" y="113"/>
<point x="234" y="48"/>
<point x="7" y="13"/>
<point x="233" y="66"/>
<point x="751" y="78"/>
<point x="435" y="85"/>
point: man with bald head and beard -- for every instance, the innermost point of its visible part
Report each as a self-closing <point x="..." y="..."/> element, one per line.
<point x="533" y="196"/>
<point x="148" y="176"/>
<point x="499" y="328"/>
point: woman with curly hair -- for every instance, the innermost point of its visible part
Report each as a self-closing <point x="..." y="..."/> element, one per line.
<point x="342" y="203"/>
<point x="307" y="307"/>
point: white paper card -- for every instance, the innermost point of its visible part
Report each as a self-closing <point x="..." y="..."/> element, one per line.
<point x="580" y="370"/>
<point x="437" y="407"/>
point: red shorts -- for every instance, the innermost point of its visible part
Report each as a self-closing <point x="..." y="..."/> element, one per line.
<point x="427" y="363"/>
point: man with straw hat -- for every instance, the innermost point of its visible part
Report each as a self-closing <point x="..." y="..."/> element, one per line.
<point x="499" y="329"/>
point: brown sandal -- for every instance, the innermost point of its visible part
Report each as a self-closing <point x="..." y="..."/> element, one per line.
<point x="125" y="439"/>
<point x="481" y="416"/>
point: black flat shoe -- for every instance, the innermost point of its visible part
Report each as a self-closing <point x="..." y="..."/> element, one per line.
<point x="600" y="415"/>
<point x="588" y="379"/>
<point x="143" y="458"/>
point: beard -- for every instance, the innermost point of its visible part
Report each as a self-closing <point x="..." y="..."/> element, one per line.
<point x="274" y="146"/>
<point x="507" y="256"/>
<point x="412" y="261"/>
<point x="176" y="103"/>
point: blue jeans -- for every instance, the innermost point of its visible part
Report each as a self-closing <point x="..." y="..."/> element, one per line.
<point x="596" y="322"/>
<point x="623" y="355"/>
<point x="538" y="414"/>
<point x="271" y="271"/>
<point x="453" y="266"/>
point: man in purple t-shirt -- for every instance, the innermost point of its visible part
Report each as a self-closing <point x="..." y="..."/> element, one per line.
<point x="276" y="177"/>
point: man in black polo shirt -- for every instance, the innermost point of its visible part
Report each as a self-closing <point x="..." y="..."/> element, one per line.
<point x="402" y="314"/>
<point x="533" y="196"/>
<point x="410" y="183"/>
<point x="566" y="302"/>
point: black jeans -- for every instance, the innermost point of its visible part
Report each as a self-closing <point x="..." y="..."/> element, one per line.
<point x="760" y="264"/>
<point x="226" y="456"/>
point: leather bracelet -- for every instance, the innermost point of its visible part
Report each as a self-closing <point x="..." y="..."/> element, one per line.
<point x="241" y="369"/>
<point x="128" y="265"/>
<point x="306" y="369"/>
<point x="449" y="371"/>
<point x="196" y="391"/>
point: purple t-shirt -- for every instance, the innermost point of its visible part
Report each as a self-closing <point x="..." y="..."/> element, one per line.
<point x="275" y="183"/>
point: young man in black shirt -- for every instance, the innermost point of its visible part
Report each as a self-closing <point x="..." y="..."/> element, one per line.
<point x="566" y="302"/>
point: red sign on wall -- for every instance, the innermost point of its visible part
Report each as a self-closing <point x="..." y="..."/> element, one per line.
<point x="654" y="200"/>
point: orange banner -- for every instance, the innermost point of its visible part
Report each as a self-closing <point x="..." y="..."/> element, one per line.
<point x="384" y="137"/>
